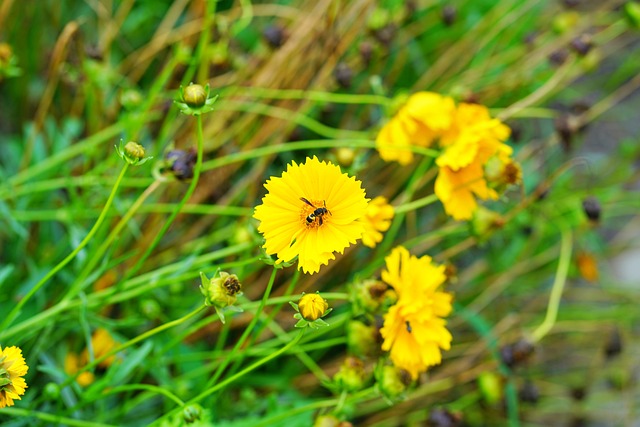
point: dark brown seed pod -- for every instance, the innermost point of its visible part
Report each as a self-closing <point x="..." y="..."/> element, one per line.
<point x="343" y="75"/>
<point x="529" y="392"/>
<point x="613" y="346"/>
<point x="582" y="44"/>
<point x="592" y="208"/>
<point x="441" y="417"/>
<point x="516" y="353"/>
<point x="449" y="15"/>
<point x="274" y="35"/>
<point x="559" y="57"/>
<point x="181" y="163"/>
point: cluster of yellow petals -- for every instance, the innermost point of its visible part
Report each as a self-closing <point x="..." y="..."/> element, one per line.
<point x="468" y="138"/>
<point x="101" y="343"/>
<point x="288" y="222"/>
<point x="376" y="220"/>
<point x="12" y="370"/>
<point x="312" y="306"/>
<point x="414" y="330"/>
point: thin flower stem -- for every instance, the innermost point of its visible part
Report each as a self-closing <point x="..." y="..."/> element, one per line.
<point x="149" y="387"/>
<point x="558" y="287"/>
<point x="416" y="204"/>
<point x="16" y="310"/>
<point x="194" y="182"/>
<point x="51" y="419"/>
<point x="131" y="342"/>
<point x="248" y="369"/>
<point x="248" y="330"/>
<point x="115" y="232"/>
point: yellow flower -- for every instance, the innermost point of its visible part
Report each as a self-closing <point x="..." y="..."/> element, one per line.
<point x="377" y="219"/>
<point x="414" y="330"/>
<point x="101" y="343"/>
<point x="312" y="306"/>
<point x="72" y="364"/>
<point x="12" y="370"/>
<point x="424" y="117"/>
<point x="472" y="140"/>
<point x="311" y="211"/>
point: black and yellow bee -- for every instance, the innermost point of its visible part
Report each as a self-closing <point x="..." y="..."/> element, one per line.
<point x="318" y="212"/>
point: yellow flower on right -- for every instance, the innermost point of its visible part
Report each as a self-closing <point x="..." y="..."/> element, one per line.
<point x="469" y="139"/>
<point x="414" y="329"/>
<point x="472" y="140"/>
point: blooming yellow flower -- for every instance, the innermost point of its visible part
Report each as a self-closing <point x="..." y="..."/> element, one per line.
<point x="472" y="140"/>
<point x="12" y="370"/>
<point x="311" y="211"/>
<point x="312" y="306"/>
<point x="414" y="330"/>
<point x="377" y="219"/>
<point x="424" y="117"/>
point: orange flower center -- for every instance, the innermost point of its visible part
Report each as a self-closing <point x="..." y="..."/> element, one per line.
<point x="314" y="213"/>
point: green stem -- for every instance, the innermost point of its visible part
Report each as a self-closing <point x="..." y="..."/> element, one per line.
<point x="416" y="204"/>
<point x="115" y="232"/>
<point x="247" y="331"/>
<point x="248" y="369"/>
<point x="52" y="419"/>
<point x="178" y="208"/>
<point x="149" y="387"/>
<point x="132" y="342"/>
<point x="16" y="310"/>
<point x="558" y="286"/>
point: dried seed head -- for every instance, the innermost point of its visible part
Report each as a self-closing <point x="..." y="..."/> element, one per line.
<point x="441" y="417"/>
<point x="582" y="44"/>
<point x="449" y="15"/>
<point x="592" y="208"/>
<point x="274" y="35"/>
<point x="516" y="353"/>
<point x="343" y="75"/>
<point x="529" y="392"/>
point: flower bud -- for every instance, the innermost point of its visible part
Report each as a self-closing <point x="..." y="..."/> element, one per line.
<point x="361" y="339"/>
<point x="52" y="391"/>
<point x="632" y="13"/>
<point x="134" y="150"/>
<point x="181" y="163"/>
<point x="328" y="420"/>
<point x="221" y="291"/>
<point x="582" y="44"/>
<point x="490" y="385"/>
<point x="194" y="95"/>
<point x="449" y="15"/>
<point x="345" y="156"/>
<point x="312" y="306"/>
<point x="351" y="376"/>
<point x="274" y="35"/>
<point x="392" y="381"/>
<point x="368" y="296"/>
<point x="192" y="413"/>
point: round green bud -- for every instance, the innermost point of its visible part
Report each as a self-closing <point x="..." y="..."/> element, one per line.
<point x="195" y="95"/>
<point x="192" y="413"/>
<point x="134" y="150"/>
<point x="52" y="391"/>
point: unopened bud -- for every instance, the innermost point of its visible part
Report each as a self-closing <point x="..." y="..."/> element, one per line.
<point x="592" y="208"/>
<point x="195" y="95"/>
<point x="361" y="339"/>
<point x="352" y="375"/>
<point x="392" y="381"/>
<point x="312" y="306"/>
<point x="134" y="150"/>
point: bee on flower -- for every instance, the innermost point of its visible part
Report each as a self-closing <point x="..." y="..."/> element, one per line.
<point x="312" y="211"/>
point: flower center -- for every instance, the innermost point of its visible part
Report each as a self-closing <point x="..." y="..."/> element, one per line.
<point x="314" y="212"/>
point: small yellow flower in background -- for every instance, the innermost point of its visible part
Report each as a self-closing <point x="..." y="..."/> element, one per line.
<point x="12" y="370"/>
<point x="72" y="364"/>
<point x="587" y="266"/>
<point x="101" y="343"/>
<point x="472" y="141"/>
<point x="312" y="306"/>
<point x="414" y="330"/>
<point x="311" y="211"/>
<point x="419" y="122"/>
<point x="377" y="219"/>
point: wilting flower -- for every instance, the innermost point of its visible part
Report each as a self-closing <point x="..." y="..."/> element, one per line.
<point x="221" y="292"/>
<point x="376" y="220"/>
<point x="414" y="329"/>
<point x="472" y="140"/>
<point x="12" y="370"/>
<point x="311" y="211"/>
<point x="419" y="122"/>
